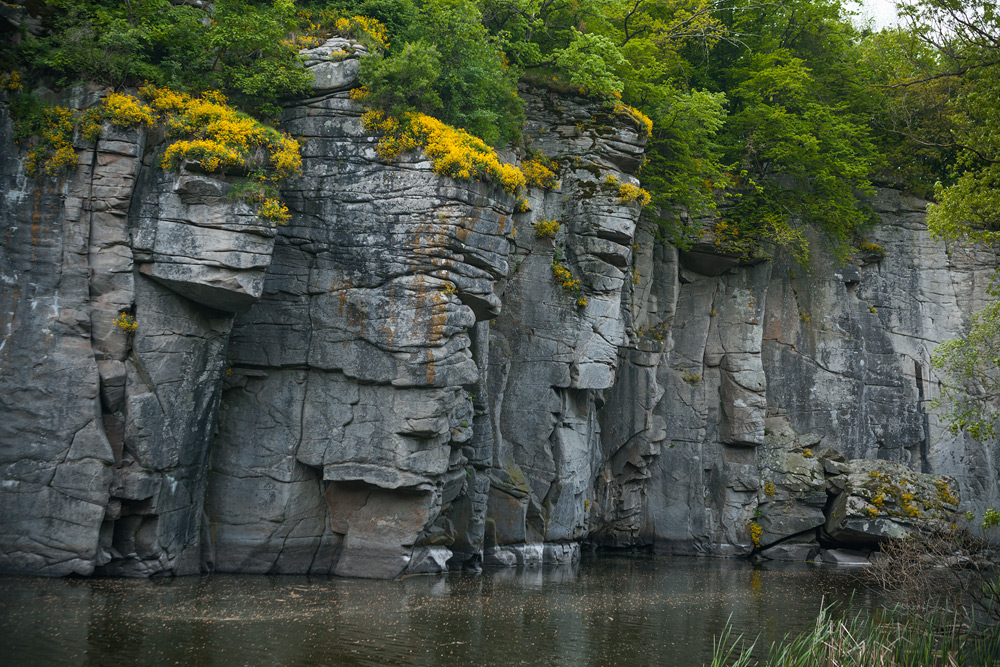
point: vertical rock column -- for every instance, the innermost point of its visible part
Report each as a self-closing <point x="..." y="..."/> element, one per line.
<point x="340" y="444"/>
<point x="55" y="460"/>
<point x="104" y="431"/>
<point x="555" y="345"/>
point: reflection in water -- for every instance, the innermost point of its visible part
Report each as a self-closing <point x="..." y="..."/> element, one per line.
<point x="610" y="611"/>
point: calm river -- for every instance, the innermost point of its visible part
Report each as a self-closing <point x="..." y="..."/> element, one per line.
<point x="608" y="611"/>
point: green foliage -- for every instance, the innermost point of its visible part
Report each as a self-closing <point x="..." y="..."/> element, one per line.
<point x="591" y="62"/>
<point x="680" y="172"/>
<point x="404" y="82"/>
<point x="912" y="121"/>
<point x="950" y="76"/>
<point x="797" y="130"/>
<point x="447" y="64"/>
<point x="239" y="51"/>
<point x="251" y="62"/>
<point x="971" y="365"/>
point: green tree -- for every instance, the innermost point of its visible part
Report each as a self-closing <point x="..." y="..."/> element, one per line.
<point x="127" y="42"/>
<point x="449" y="65"/>
<point x="797" y="136"/>
<point x="966" y="40"/>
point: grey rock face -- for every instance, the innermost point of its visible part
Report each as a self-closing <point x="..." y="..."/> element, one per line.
<point x="397" y="381"/>
<point x="104" y="431"/>
<point x="192" y="238"/>
<point x="334" y="65"/>
<point x="551" y="352"/>
<point x="341" y="443"/>
<point x="841" y="352"/>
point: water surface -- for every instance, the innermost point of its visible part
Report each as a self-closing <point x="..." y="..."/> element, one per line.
<point x="608" y="611"/>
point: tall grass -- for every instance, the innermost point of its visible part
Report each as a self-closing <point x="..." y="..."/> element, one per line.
<point x="890" y="639"/>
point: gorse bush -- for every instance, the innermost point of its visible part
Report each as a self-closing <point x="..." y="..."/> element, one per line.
<point x="218" y="137"/>
<point x="204" y="130"/>
<point x="453" y="152"/>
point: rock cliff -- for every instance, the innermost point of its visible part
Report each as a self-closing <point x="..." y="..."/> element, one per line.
<point x="397" y="381"/>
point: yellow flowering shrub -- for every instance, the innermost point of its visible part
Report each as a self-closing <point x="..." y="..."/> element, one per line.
<point x="756" y="530"/>
<point x="54" y="153"/>
<point x="538" y="172"/>
<point x="565" y="278"/>
<point x="641" y="119"/>
<point x="367" y="30"/>
<point x="275" y="211"/>
<point x="546" y="229"/>
<point x="453" y="152"/>
<point x="628" y="193"/>
<point x="11" y="81"/>
<point x="204" y="129"/>
<point x="207" y="130"/>
<point x="944" y="493"/>
<point x="126" y="111"/>
<point x="326" y="22"/>
<point x="126" y="322"/>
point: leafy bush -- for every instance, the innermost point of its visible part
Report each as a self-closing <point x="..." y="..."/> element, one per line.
<point x="240" y="51"/>
<point x="406" y="82"/>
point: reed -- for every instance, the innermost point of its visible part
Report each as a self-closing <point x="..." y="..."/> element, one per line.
<point x="888" y="639"/>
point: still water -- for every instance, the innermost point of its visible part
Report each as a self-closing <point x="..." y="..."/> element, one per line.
<point x="607" y="611"/>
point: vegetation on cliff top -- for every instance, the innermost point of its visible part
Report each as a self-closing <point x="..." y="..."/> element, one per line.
<point x="767" y="115"/>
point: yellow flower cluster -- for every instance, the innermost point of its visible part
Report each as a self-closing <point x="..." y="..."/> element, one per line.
<point x="55" y="154"/>
<point x="546" y="229"/>
<point x="538" y="173"/>
<point x="323" y="22"/>
<point x="692" y="377"/>
<point x="218" y="136"/>
<point x="364" y="28"/>
<point x="568" y="283"/>
<point x="359" y="94"/>
<point x="452" y="151"/>
<point x="628" y="193"/>
<point x="906" y="505"/>
<point x="300" y="42"/>
<point x="210" y="154"/>
<point x="944" y="493"/>
<point x="127" y="111"/>
<point x="274" y="210"/>
<point x="871" y="247"/>
<point x="641" y="119"/>
<point x="565" y="277"/>
<point x="769" y="489"/>
<point x="11" y="81"/>
<point x="755" y="532"/>
<point x="126" y="322"/>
